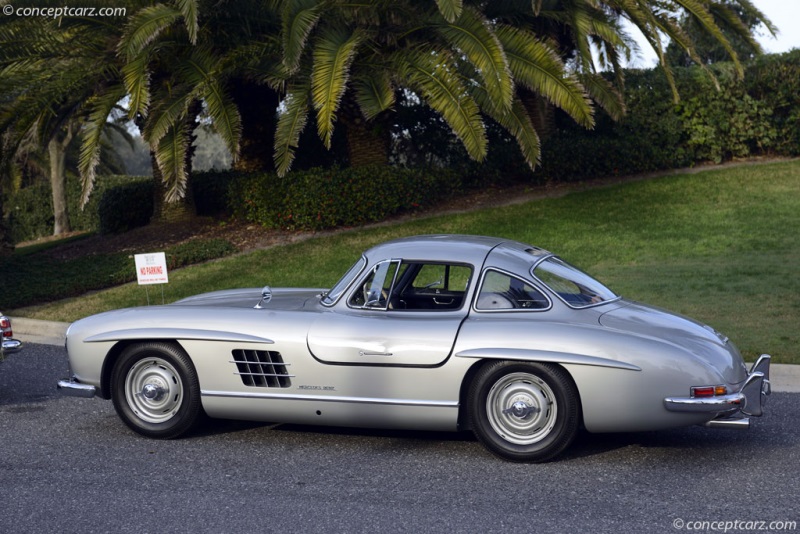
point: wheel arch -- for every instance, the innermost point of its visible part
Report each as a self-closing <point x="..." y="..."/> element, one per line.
<point x="464" y="422"/>
<point x="113" y="356"/>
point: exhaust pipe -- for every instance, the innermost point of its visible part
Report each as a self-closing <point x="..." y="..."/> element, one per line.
<point x="740" y="423"/>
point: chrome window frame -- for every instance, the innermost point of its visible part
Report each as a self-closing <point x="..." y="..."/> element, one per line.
<point x="361" y="284"/>
<point x="394" y="281"/>
<point x="344" y="291"/>
<point x="559" y="297"/>
<point x="510" y="310"/>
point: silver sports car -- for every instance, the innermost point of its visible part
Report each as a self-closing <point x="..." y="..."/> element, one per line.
<point x="434" y="332"/>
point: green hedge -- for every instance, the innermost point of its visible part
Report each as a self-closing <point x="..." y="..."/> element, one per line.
<point x="117" y="204"/>
<point x="759" y="115"/>
<point x="125" y="206"/>
<point x="22" y="275"/>
<point x="327" y="198"/>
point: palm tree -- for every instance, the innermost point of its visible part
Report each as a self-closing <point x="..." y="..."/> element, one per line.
<point x="50" y="69"/>
<point x="187" y="57"/>
<point x="347" y="61"/>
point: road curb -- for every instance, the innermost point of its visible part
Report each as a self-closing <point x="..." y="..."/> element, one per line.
<point x="783" y="377"/>
<point x="37" y="331"/>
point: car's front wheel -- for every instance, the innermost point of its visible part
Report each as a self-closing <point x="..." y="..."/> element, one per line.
<point x="524" y="411"/>
<point x="155" y="390"/>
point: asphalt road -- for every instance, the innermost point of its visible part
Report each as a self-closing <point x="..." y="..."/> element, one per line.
<point x="69" y="465"/>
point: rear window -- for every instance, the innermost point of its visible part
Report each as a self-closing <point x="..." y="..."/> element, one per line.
<point x="573" y="286"/>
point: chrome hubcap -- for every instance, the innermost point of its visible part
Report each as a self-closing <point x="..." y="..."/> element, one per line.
<point x="521" y="408"/>
<point x="153" y="390"/>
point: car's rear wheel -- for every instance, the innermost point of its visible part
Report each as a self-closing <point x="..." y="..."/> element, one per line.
<point x="155" y="390"/>
<point x="524" y="411"/>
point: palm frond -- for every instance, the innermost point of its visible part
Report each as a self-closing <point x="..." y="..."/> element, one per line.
<point x="100" y="108"/>
<point x="604" y="93"/>
<point x="170" y="155"/>
<point x="473" y="36"/>
<point x="144" y="27"/>
<point x="299" y="18"/>
<point x="136" y="76"/>
<point x="188" y="9"/>
<point x="374" y="93"/>
<point x="705" y="19"/>
<point x="291" y="122"/>
<point x="334" y="51"/>
<point x="200" y="71"/>
<point x="516" y="121"/>
<point x="538" y="67"/>
<point x="450" y="9"/>
<point x="435" y="77"/>
<point x="165" y="115"/>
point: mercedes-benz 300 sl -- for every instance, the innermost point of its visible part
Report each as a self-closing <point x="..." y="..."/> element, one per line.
<point x="431" y="332"/>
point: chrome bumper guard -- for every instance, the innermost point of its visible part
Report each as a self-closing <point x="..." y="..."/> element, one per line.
<point x="73" y="388"/>
<point x="732" y="409"/>
<point x="11" y="345"/>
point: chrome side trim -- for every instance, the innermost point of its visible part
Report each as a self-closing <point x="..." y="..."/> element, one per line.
<point x="326" y="398"/>
<point x="72" y="388"/>
<point x="176" y="333"/>
<point x="545" y="356"/>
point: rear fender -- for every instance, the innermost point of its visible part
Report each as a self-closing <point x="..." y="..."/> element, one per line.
<point x="527" y="355"/>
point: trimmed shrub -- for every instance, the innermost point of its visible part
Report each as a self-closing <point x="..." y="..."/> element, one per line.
<point x="31" y="208"/>
<point x="23" y="275"/>
<point x="125" y="206"/>
<point x="327" y="198"/>
<point x="774" y="81"/>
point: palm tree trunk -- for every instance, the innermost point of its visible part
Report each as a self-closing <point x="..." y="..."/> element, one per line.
<point x="169" y="212"/>
<point x="57" y="150"/>
<point x="367" y="143"/>
<point x="6" y="243"/>
<point x="541" y="112"/>
<point x="258" y="105"/>
<point x="183" y="209"/>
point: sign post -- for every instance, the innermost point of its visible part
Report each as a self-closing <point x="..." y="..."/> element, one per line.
<point x="152" y="269"/>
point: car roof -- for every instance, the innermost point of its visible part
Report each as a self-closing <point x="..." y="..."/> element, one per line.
<point x="447" y="247"/>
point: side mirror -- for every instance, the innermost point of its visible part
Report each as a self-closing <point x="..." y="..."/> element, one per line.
<point x="266" y="296"/>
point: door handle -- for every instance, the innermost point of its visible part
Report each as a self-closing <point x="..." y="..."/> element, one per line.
<point x="367" y="353"/>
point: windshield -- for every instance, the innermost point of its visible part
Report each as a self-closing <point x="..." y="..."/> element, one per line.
<point x="573" y="286"/>
<point x="336" y="291"/>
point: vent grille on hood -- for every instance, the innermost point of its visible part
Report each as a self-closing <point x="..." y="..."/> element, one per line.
<point x="261" y="368"/>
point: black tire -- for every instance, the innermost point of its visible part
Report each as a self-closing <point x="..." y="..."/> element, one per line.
<point x="155" y="390"/>
<point x="523" y="411"/>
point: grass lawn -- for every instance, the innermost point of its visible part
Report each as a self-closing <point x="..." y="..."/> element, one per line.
<point x="721" y="246"/>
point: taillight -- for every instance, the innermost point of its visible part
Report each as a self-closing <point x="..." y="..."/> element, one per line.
<point x="5" y="326"/>
<point x="709" y="391"/>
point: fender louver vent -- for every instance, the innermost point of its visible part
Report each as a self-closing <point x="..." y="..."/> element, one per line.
<point x="261" y="368"/>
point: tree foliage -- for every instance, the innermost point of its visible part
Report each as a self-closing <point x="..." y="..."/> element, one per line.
<point x="338" y="64"/>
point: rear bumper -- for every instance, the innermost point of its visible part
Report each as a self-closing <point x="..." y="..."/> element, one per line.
<point x="11" y="345"/>
<point x="731" y="410"/>
<point x="73" y="388"/>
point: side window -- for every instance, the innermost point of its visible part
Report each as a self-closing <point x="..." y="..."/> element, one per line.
<point x="500" y="291"/>
<point x="433" y="276"/>
<point x="373" y="291"/>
